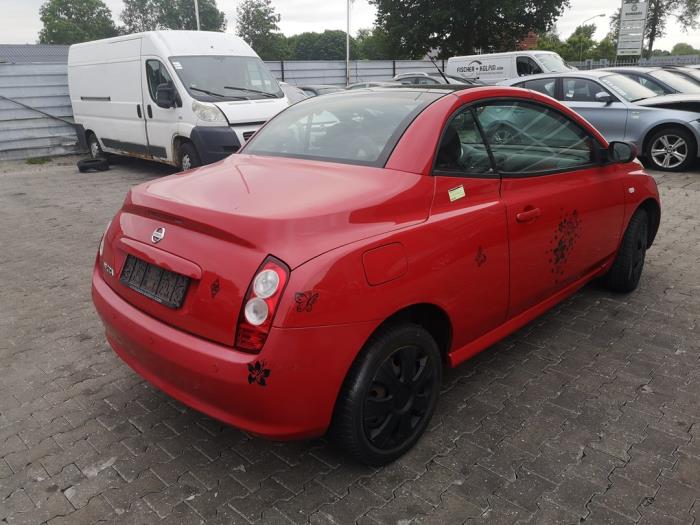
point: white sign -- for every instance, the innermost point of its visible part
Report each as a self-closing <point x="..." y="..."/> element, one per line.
<point x="633" y="18"/>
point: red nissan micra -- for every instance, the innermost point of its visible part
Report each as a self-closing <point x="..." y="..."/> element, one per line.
<point x="360" y="242"/>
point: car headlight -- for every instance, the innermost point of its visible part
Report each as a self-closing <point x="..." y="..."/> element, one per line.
<point x="208" y="112"/>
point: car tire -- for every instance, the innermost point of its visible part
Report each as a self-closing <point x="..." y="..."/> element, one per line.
<point x="92" y="165"/>
<point x="626" y="270"/>
<point x="188" y="157"/>
<point x="389" y="395"/>
<point x="94" y="147"/>
<point x="666" y="146"/>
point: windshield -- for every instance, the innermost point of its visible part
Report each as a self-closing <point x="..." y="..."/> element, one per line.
<point x="627" y="88"/>
<point x="356" y="127"/>
<point x="676" y="81"/>
<point x="553" y="63"/>
<point x="215" y="78"/>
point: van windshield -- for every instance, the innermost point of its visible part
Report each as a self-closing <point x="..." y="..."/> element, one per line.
<point x="213" y="78"/>
<point x="553" y="63"/>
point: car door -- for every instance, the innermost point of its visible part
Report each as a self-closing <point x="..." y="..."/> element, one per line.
<point x="161" y="122"/>
<point x="564" y="210"/>
<point x="469" y="234"/>
<point x="610" y="118"/>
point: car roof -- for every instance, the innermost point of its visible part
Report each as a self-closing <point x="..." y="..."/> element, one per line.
<point x="592" y="74"/>
<point x="319" y="86"/>
<point x="634" y="69"/>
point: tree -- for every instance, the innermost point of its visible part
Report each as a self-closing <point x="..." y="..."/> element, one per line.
<point x="329" y="45"/>
<point x="257" y="24"/>
<point x="687" y="13"/>
<point x="580" y="43"/>
<point x="455" y="28"/>
<point x="374" y="44"/>
<point x="73" y="21"/>
<point x="150" y="15"/>
<point x="682" y="48"/>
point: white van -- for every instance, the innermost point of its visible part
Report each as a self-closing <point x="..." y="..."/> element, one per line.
<point x="185" y="98"/>
<point x="496" y="67"/>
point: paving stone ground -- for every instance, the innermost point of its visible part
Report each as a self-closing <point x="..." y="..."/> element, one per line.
<point x="589" y="414"/>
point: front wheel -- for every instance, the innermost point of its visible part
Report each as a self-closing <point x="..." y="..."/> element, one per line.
<point x="188" y="157"/>
<point x="626" y="270"/>
<point x="95" y="148"/>
<point x="671" y="149"/>
<point x="389" y="395"/>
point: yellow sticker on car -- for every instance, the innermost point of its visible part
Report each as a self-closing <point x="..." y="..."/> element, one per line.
<point x="456" y="193"/>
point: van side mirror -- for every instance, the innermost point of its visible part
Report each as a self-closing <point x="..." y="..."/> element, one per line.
<point x="165" y="96"/>
<point x="621" y="152"/>
<point x="603" y="97"/>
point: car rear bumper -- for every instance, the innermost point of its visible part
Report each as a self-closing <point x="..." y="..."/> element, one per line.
<point x="306" y="368"/>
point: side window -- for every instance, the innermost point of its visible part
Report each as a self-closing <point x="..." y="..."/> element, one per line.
<point x="651" y="84"/>
<point x="546" y="86"/>
<point x="527" y="138"/>
<point x="581" y="90"/>
<point x="527" y="66"/>
<point x="408" y="80"/>
<point x="462" y="149"/>
<point x="156" y="75"/>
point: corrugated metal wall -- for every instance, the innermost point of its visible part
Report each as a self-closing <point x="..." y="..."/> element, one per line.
<point x="25" y="133"/>
<point x="333" y="72"/>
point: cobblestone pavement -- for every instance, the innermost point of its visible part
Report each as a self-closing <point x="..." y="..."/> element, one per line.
<point x="591" y="413"/>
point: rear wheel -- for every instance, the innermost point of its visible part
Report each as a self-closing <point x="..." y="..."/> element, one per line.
<point x="389" y="395"/>
<point x="671" y="149"/>
<point x="188" y="157"/>
<point x="626" y="270"/>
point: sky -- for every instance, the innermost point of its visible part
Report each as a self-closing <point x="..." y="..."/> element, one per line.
<point x="20" y="22"/>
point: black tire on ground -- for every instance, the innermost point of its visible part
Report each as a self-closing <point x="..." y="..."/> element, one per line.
<point x="188" y="157"/>
<point x="93" y="164"/>
<point x="389" y="395"/>
<point x="671" y="149"/>
<point x="94" y="147"/>
<point x="626" y="270"/>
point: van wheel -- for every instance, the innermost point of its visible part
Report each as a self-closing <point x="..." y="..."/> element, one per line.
<point x="389" y="395"/>
<point x="626" y="270"/>
<point x="189" y="158"/>
<point x="95" y="148"/>
<point x="671" y="149"/>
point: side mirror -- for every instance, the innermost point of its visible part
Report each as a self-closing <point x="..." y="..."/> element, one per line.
<point x="603" y="97"/>
<point x="165" y="96"/>
<point x="621" y="152"/>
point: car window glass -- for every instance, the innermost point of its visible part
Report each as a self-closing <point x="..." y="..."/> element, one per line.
<point x="462" y="148"/>
<point x="408" y="80"/>
<point x="581" y="90"/>
<point x="156" y="75"/>
<point x="528" y="138"/>
<point x="534" y="66"/>
<point x="523" y="66"/>
<point x="542" y="85"/>
<point x="648" y="83"/>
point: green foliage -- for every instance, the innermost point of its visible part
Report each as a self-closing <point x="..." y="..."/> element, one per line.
<point x="38" y="160"/>
<point x="686" y="12"/>
<point x="458" y="28"/>
<point x="375" y="44"/>
<point x="73" y="21"/>
<point x="329" y="45"/>
<point x="150" y="15"/>
<point x="257" y="24"/>
<point x="681" y="48"/>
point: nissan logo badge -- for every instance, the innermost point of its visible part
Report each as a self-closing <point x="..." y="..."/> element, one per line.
<point x="158" y="235"/>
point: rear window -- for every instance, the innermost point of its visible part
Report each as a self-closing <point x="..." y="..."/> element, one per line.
<point x="351" y="128"/>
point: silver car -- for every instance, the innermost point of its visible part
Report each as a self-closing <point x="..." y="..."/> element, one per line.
<point x="667" y="137"/>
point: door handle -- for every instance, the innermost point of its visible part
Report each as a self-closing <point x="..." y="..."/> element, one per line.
<point x="528" y="214"/>
<point x="150" y="111"/>
<point x="138" y="110"/>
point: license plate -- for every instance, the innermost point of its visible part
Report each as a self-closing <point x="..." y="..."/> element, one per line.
<point x="163" y="286"/>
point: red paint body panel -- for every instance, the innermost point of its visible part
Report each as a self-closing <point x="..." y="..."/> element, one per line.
<point x="362" y="243"/>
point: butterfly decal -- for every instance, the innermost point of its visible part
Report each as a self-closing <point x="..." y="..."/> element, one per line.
<point x="306" y="300"/>
<point x="258" y="373"/>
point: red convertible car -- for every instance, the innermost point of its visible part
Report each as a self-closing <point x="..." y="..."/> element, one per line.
<point x="321" y="279"/>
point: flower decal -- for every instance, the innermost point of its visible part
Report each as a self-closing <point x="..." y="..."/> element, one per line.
<point x="258" y="373"/>
<point x="306" y="300"/>
<point x="565" y="236"/>
<point x="480" y="258"/>
<point x="215" y="287"/>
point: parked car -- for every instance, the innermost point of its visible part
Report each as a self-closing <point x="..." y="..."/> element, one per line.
<point x="363" y="85"/>
<point x="492" y="68"/>
<point x="293" y="93"/>
<point x="314" y="90"/>
<point x="660" y="80"/>
<point x="184" y="98"/>
<point x="368" y="254"/>
<point x="687" y="71"/>
<point x="423" y="78"/>
<point x="666" y="129"/>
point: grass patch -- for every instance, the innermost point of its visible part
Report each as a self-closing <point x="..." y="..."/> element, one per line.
<point x="38" y="160"/>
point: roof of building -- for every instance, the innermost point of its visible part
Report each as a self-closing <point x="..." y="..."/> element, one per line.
<point x="33" y="53"/>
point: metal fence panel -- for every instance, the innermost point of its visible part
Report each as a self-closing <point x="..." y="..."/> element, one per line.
<point x="25" y="133"/>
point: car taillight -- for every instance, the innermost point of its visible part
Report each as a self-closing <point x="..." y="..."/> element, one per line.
<point x="101" y="248"/>
<point x="260" y="304"/>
